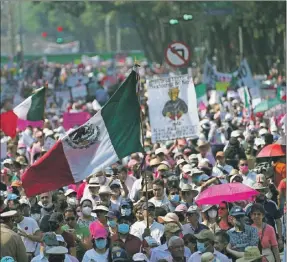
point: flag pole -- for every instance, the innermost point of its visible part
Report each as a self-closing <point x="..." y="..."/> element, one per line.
<point x="142" y="166"/>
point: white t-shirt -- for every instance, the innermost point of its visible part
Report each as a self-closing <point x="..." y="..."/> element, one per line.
<point x="92" y="256"/>
<point x="156" y="230"/>
<point x="249" y="179"/>
<point x="159" y="203"/>
<point x="30" y="226"/>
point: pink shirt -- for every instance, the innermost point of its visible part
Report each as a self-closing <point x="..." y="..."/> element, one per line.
<point x="269" y="237"/>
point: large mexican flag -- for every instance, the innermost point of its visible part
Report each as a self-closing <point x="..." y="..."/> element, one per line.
<point x="111" y="134"/>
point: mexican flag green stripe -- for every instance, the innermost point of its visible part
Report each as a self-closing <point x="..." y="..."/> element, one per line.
<point x="33" y="107"/>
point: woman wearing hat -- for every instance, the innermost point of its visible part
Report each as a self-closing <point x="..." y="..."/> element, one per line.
<point x="266" y="234"/>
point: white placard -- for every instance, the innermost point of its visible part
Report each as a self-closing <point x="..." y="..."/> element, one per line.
<point x="3" y="153"/>
<point x="172" y="108"/>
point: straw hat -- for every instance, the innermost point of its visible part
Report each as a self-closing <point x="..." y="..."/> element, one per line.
<point x="250" y="254"/>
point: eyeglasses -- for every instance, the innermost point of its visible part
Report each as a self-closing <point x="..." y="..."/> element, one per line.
<point x="245" y="164"/>
<point x="70" y="219"/>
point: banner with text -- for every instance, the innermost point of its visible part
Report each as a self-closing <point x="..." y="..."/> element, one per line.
<point x="172" y="108"/>
<point x="242" y="76"/>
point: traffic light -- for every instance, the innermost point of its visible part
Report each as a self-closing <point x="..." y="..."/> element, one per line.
<point x="173" y="21"/>
<point x="187" y="17"/>
<point x="60" y="29"/>
<point x="59" y="40"/>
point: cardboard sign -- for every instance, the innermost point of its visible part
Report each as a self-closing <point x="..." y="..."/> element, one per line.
<point x="71" y="120"/>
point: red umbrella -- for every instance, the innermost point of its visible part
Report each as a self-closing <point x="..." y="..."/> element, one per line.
<point x="231" y="192"/>
<point x="272" y="150"/>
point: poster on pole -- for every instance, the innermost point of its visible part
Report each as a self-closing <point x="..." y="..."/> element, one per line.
<point x="172" y="108"/>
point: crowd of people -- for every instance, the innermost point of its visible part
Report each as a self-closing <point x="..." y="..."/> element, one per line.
<point x="144" y="208"/>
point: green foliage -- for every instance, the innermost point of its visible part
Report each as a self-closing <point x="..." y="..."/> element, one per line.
<point x="262" y="23"/>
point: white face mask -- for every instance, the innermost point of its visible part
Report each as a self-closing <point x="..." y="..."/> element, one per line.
<point x="21" y="151"/>
<point x="72" y="201"/>
<point x="212" y="213"/>
<point x="87" y="211"/>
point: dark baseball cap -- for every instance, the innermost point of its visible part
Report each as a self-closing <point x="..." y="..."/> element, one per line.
<point x="148" y="205"/>
<point x="236" y="211"/>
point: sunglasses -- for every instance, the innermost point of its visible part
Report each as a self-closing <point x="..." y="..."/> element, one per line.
<point x="243" y="164"/>
<point x="70" y="219"/>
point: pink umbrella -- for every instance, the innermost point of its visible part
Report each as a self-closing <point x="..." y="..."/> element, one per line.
<point x="231" y="192"/>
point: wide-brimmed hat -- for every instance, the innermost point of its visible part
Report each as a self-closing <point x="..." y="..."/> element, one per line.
<point x="205" y="234"/>
<point x="202" y="143"/>
<point x="259" y="186"/>
<point x="154" y="162"/>
<point x="169" y="217"/>
<point x="250" y="254"/>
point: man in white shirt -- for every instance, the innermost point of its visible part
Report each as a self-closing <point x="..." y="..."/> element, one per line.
<point x="29" y="230"/>
<point x="205" y="243"/>
<point x="155" y="229"/>
<point x="249" y="178"/>
<point x="160" y="199"/>
<point x="221" y="170"/>
<point x="162" y="252"/>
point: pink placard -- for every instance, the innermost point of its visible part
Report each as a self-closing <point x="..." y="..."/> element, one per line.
<point x="75" y="119"/>
<point x="22" y="124"/>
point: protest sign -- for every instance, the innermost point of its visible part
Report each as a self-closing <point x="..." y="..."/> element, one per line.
<point x="242" y="75"/>
<point x="22" y="124"/>
<point x="172" y="108"/>
<point x="75" y="119"/>
<point x="3" y="153"/>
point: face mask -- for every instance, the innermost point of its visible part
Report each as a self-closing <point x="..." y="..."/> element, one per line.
<point x="21" y="151"/>
<point x="200" y="247"/>
<point x="174" y="198"/>
<point x="243" y="169"/>
<point x="101" y="180"/>
<point x="124" y="228"/>
<point x="36" y="216"/>
<point x="112" y="223"/>
<point x="212" y="213"/>
<point x="87" y="211"/>
<point x="185" y="176"/>
<point x="72" y="201"/>
<point x="126" y="211"/>
<point x="269" y="195"/>
<point x="100" y="243"/>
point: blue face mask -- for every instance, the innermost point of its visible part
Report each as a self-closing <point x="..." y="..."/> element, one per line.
<point x="174" y="198"/>
<point x="200" y="247"/>
<point x="112" y="223"/>
<point x="126" y="212"/>
<point x="123" y="228"/>
<point x="100" y="243"/>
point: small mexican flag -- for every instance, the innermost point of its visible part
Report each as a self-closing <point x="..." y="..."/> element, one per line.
<point x="110" y="135"/>
<point x="201" y="95"/>
<point x="31" y="109"/>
